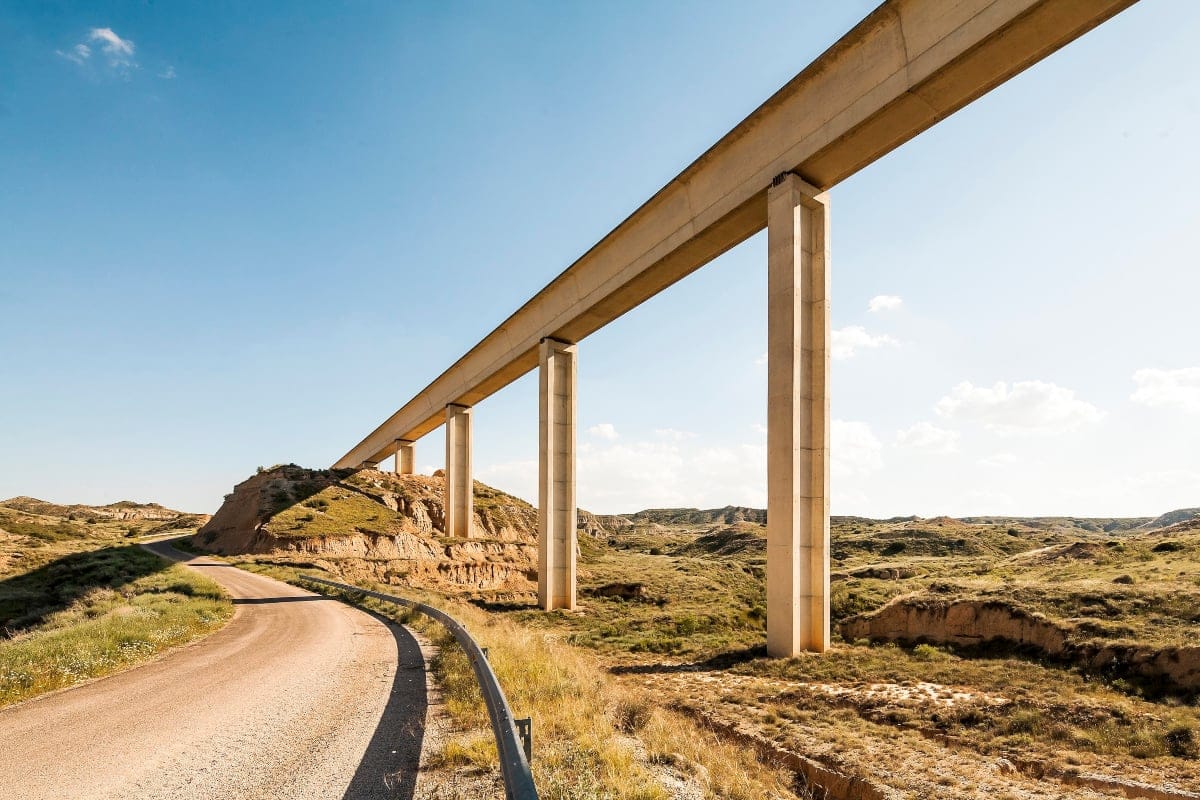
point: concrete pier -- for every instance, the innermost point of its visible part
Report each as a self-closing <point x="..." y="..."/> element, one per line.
<point x="460" y="494"/>
<point x="405" y="456"/>
<point x="797" y="417"/>
<point x="905" y="67"/>
<point x="556" y="475"/>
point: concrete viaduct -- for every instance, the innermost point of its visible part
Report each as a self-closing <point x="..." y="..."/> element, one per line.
<point x="906" y="66"/>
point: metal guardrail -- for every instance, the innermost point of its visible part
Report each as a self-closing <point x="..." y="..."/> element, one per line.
<point x="514" y="748"/>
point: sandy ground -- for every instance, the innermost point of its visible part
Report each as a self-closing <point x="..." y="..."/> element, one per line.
<point x="297" y="697"/>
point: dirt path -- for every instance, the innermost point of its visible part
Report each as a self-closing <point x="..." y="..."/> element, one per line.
<point x="297" y="697"/>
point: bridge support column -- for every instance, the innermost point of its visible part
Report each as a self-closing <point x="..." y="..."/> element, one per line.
<point x="556" y="476"/>
<point x="460" y="494"/>
<point x="797" y="418"/>
<point x="405" y="455"/>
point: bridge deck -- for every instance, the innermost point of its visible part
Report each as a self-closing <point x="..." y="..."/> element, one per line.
<point x="907" y="65"/>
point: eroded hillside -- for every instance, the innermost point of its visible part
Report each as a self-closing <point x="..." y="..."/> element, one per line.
<point x="377" y="525"/>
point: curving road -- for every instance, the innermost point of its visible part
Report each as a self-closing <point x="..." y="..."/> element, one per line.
<point x="297" y="697"/>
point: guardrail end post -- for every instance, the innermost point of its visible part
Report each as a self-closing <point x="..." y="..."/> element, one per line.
<point x="484" y="650"/>
<point x="525" y="731"/>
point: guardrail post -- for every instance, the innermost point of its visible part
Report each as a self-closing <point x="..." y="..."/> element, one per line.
<point x="525" y="730"/>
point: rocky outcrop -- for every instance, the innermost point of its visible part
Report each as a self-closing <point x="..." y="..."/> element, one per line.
<point x="970" y="623"/>
<point x="377" y="525"/>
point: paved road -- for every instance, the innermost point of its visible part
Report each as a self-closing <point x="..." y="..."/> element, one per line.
<point x="297" y="697"/>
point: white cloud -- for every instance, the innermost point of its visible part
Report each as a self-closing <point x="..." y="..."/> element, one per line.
<point x="1027" y="407"/>
<point x="845" y="342"/>
<point x="673" y="435"/>
<point x="168" y="73"/>
<point x="999" y="460"/>
<point x="1168" y="388"/>
<point x="884" y="302"/>
<point x="929" y="438"/>
<point x="690" y="471"/>
<point x="119" y="52"/>
<point x="632" y="475"/>
<point x="79" y="53"/>
<point x="854" y="449"/>
<point x="604" y="430"/>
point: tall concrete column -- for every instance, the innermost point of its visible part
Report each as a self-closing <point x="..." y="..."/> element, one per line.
<point x="556" y="476"/>
<point x="797" y="418"/>
<point x="460" y="496"/>
<point x="405" y="454"/>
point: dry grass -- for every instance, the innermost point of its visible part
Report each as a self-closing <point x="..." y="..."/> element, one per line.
<point x="92" y="612"/>
<point x="594" y="736"/>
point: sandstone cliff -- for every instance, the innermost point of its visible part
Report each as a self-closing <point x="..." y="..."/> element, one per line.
<point x="971" y="622"/>
<point x="377" y="525"/>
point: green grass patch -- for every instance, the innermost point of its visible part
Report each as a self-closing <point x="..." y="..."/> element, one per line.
<point x="103" y="629"/>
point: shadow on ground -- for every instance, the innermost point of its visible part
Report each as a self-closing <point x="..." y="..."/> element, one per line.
<point x="27" y="600"/>
<point x="719" y="661"/>
<point x="388" y="769"/>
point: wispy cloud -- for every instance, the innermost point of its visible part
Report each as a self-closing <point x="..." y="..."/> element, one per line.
<point x="649" y="472"/>
<point x="118" y="52"/>
<point x="1168" y="388"/>
<point x="673" y="434"/>
<point x="854" y="449"/>
<point x="168" y="73"/>
<point x="845" y="342"/>
<point x="1025" y="407"/>
<point x="884" y="302"/>
<point x="999" y="460"/>
<point x="80" y="53"/>
<point x="929" y="438"/>
<point x="605" y="430"/>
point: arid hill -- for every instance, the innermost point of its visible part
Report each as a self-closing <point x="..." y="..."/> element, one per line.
<point x="29" y="525"/>
<point x="378" y="525"/>
<point x="120" y="511"/>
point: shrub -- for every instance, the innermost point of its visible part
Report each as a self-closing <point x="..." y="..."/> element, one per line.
<point x="1181" y="742"/>
<point x="926" y="652"/>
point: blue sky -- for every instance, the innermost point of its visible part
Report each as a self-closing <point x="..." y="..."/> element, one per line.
<point x="241" y="234"/>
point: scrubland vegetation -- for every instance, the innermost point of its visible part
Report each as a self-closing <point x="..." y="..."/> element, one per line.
<point x="658" y="685"/>
<point x="79" y="599"/>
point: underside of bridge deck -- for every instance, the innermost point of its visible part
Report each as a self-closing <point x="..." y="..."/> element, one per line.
<point x="905" y="67"/>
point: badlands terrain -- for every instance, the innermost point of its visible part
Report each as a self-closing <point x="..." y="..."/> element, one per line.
<point x="977" y="657"/>
<point x="80" y="599"/>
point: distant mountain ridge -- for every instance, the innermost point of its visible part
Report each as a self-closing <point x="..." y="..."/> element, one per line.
<point x="731" y="515"/>
<point x="120" y="510"/>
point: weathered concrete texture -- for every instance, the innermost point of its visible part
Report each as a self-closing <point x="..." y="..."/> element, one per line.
<point x="405" y="457"/>
<point x="459" y="480"/>
<point x="906" y="66"/>
<point x="556" y="476"/>
<point x="797" y="418"/>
